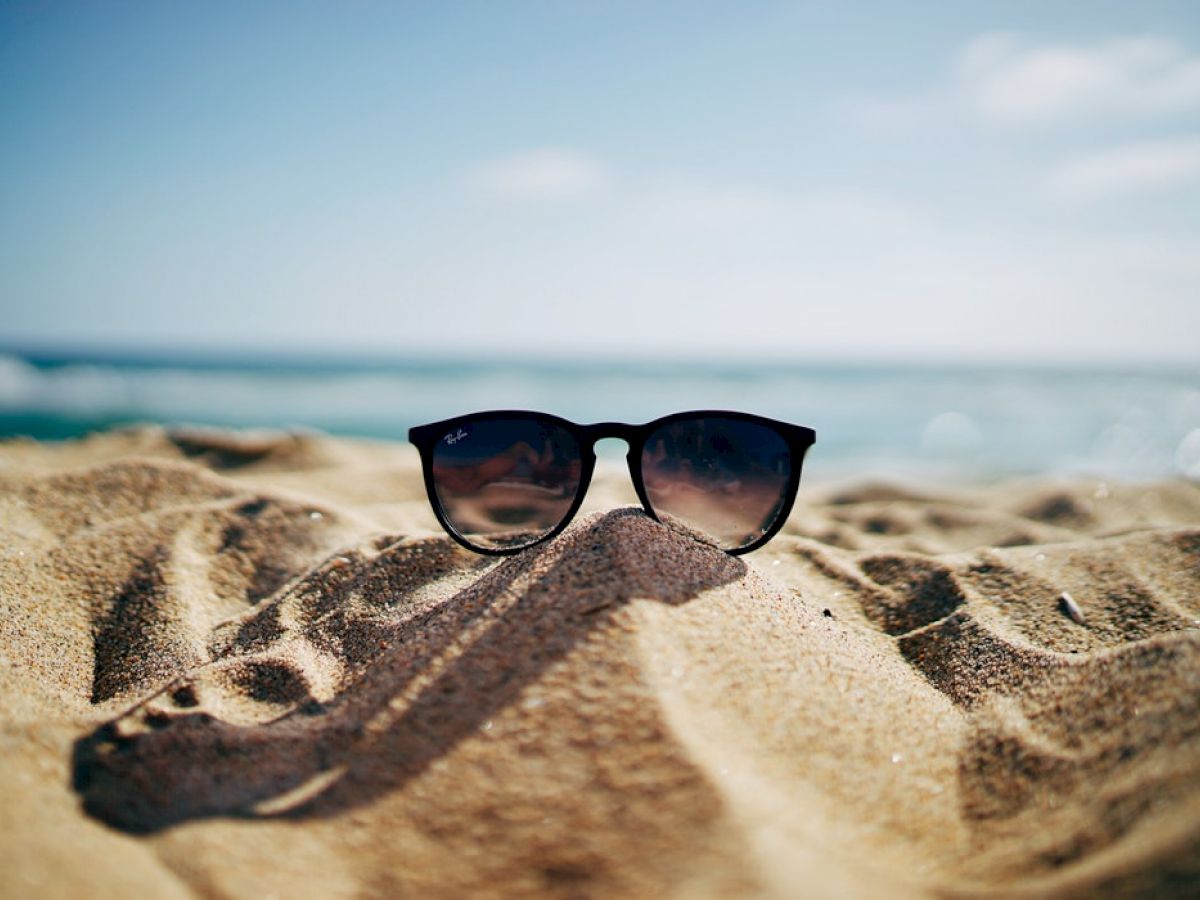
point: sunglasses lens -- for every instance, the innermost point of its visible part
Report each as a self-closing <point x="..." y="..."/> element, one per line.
<point x="506" y="483"/>
<point x="723" y="476"/>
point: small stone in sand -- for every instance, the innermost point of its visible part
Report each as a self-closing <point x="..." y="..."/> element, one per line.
<point x="1068" y="605"/>
<point x="592" y="610"/>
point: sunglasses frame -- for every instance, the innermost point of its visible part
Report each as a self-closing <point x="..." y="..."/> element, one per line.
<point x="426" y="437"/>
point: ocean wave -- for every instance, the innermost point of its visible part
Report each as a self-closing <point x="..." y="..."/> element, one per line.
<point x="872" y="419"/>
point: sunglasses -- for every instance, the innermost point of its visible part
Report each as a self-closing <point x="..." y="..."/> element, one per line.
<point x="502" y="481"/>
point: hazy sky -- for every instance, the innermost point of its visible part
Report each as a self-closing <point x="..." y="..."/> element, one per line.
<point x="798" y="180"/>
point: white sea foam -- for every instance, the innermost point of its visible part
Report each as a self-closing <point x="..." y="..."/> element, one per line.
<point x="19" y="382"/>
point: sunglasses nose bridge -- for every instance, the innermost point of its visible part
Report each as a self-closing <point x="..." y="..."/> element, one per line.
<point x="610" y="431"/>
<point x="620" y="431"/>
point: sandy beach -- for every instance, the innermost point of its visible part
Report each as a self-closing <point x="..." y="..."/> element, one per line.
<point x="250" y="664"/>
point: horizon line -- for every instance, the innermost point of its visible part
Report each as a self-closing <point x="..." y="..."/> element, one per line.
<point x="40" y="352"/>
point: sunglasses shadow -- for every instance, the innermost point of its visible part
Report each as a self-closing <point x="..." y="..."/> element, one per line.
<point x="316" y="706"/>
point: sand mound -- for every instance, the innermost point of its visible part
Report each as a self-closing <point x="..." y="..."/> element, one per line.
<point x="244" y="664"/>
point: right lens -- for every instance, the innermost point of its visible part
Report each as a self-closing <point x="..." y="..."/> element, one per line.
<point x="727" y="477"/>
<point x="506" y="483"/>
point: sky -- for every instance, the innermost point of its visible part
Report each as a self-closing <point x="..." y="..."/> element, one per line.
<point x="793" y="181"/>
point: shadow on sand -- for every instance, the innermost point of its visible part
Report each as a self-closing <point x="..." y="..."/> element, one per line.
<point x="265" y="729"/>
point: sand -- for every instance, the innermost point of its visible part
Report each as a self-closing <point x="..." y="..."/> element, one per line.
<point x="250" y="665"/>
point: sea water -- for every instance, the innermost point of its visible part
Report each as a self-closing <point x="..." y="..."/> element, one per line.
<point x="871" y="420"/>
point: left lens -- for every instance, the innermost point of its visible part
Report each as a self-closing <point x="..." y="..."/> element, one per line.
<point x="723" y="476"/>
<point x="506" y="483"/>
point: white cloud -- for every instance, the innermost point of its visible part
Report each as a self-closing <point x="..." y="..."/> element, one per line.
<point x="1002" y="79"/>
<point x="1008" y="83"/>
<point x="1146" y="165"/>
<point x="547" y="173"/>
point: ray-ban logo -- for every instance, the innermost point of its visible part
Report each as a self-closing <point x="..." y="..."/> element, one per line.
<point x="453" y="439"/>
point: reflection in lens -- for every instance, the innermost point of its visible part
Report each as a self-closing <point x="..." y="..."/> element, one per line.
<point x="722" y="476"/>
<point x="504" y="483"/>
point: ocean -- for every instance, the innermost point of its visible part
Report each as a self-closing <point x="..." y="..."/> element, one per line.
<point x="938" y="421"/>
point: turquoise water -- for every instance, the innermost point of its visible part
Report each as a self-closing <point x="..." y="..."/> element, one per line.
<point x="940" y="421"/>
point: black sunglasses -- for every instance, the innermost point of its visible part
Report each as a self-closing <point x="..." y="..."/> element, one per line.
<point x="503" y="481"/>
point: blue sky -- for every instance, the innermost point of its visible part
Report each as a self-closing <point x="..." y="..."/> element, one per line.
<point x="792" y="180"/>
